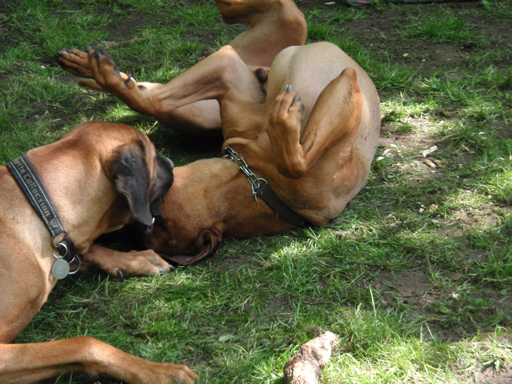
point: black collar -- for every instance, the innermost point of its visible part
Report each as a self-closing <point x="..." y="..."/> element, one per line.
<point x="35" y="192"/>
<point x="261" y="188"/>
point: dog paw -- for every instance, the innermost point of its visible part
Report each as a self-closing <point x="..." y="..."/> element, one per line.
<point x="168" y="373"/>
<point x="74" y="61"/>
<point x="139" y="263"/>
<point x="288" y="110"/>
<point x="284" y="131"/>
<point x="104" y="69"/>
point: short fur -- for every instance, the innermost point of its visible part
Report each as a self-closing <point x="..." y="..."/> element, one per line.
<point x="313" y="142"/>
<point x="99" y="176"/>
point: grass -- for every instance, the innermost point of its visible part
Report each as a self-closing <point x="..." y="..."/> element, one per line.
<point x="442" y="27"/>
<point x="414" y="276"/>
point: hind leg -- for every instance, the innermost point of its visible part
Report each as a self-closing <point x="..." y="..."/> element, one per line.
<point x="239" y="11"/>
<point x="189" y="99"/>
<point x="200" y="117"/>
<point x="275" y="25"/>
<point x="334" y="118"/>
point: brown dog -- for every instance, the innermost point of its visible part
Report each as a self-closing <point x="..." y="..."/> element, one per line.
<point x="313" y="150"/>
<point x="98" y="176"/>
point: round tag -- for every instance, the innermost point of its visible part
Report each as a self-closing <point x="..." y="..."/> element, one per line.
<point x="60" y="269"/>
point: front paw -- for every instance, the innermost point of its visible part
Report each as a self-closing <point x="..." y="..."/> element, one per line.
<point x="288" y="110"/>
<point x="139" y="263"/>
<point x="284" y="131"/>
<point x="105" y="71"/>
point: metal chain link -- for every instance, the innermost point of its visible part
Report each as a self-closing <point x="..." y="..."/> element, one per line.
<point x="242" y="165"/>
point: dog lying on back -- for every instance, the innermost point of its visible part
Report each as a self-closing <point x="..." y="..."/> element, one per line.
<point x="311" y="139"/>
<point x="297" y="151"/>
<point x="99" y="176"/>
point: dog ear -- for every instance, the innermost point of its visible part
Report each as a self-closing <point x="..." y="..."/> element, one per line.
<point x="162" y="182"/>
<point x="208" y="241"/>
<point x="131" y="178"/>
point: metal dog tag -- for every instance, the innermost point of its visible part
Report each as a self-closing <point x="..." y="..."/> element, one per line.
<point x="60" y="268"/>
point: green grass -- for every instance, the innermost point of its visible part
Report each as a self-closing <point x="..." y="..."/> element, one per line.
<point x="414" y="276"/>
<point x="441" y="27"/>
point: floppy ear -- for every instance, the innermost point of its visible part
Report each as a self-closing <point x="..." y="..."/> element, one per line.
<point x="208" y="240"/>
<point x="131" y="178"/>
<point x="162" y="182"/>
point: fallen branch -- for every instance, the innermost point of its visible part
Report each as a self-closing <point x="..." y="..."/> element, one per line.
<point x="307" y="365"/>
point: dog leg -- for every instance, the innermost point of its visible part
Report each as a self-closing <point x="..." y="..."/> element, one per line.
<point x="124" y="264"/>
<point x="205" y="81"/>
<point x="201" y="117"/>
<point x="143" y="97"/>
<point x="237" y="11"/>
<point x="222" y="76"/>
<point x="335" y="118"/>
<point x="29" y="363"/>
<point x="274" y="26"/>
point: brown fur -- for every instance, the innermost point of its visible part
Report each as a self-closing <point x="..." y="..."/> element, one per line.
<point x="99" y="176"/>
<point x="274" y="25"/>
<point x="314" y="152"/>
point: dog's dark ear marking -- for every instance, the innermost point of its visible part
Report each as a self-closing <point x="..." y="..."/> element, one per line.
<point x="163" y="181"/>
<point x="131" y="178"/>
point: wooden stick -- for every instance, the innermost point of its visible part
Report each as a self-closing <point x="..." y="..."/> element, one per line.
<point x="307" y="365"/>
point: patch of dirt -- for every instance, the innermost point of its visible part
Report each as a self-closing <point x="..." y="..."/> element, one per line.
<point x="411" y="287"/>
<point x="490" y="376"/>
<point x="415" y="291"/>
<point x="233" y="263"/>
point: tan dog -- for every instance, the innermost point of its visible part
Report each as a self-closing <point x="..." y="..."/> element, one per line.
<point x="313" y="150"/>
<point x="98" y="176"/>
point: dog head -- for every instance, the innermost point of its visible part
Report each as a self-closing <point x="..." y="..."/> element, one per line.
<point x="129" y="161"/>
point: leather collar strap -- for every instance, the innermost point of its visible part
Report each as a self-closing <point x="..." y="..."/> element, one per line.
<point x="261" y="188"/>
<point x="35" y="192"/>
<point x="280" y="208"/>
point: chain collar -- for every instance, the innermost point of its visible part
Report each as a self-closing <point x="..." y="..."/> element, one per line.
<point x="242" y="165"/>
